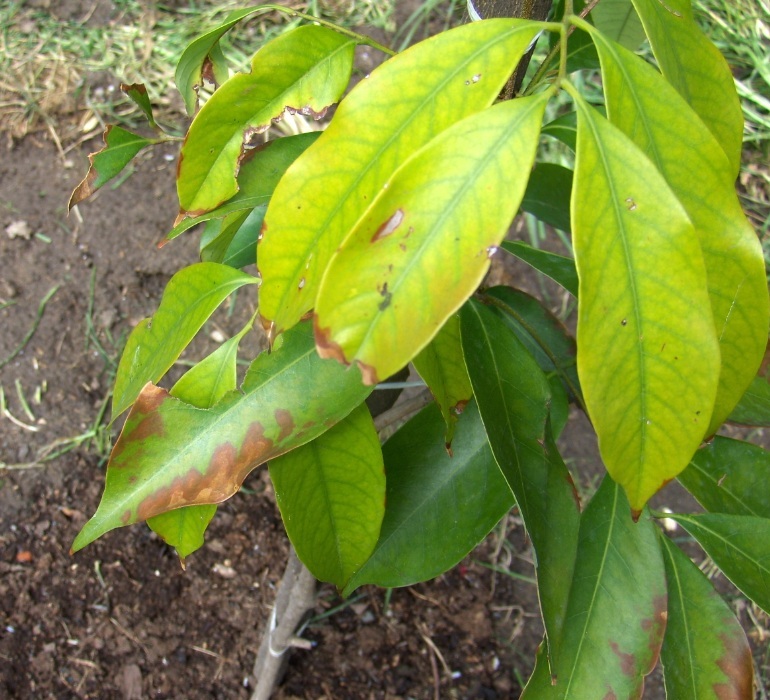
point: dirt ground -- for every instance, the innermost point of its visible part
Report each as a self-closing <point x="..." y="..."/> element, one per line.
<point x="122" y="619"/>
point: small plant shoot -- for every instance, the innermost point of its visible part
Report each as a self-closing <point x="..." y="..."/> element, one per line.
<point x="372" y="241"/>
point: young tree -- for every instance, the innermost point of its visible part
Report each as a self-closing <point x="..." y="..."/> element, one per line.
<point x="372" y="241"/>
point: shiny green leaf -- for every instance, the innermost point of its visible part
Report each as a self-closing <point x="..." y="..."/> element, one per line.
<point x="120" y="146"/>
<point x="616" y="615"/>
<point x="617" y="20"/>
<point x="425" y="244"/>
<point x="259" y="173"/>
<point x="730" y="476"/>
<point x="754" y="406"/>
<point x="648" y="357"/>
<point x="305" y="70"/>
<point x="705" y="654"/>
<point x="437" y="507"/>
<point x="442" y="366"/>
<point x="385" y="119"/>
<point x="548" y="194"/>
<point x="171" y="454"/>
<point x="513" y="397"/>
<point x="541" y="333"/>
<point x="331" y="493"/>
<point x="650" y="112"/>
<point x="698" y="71"/>
<point x="558" y="267"/>
<point x="739" y="546"/>
<point x="154" y="345"/>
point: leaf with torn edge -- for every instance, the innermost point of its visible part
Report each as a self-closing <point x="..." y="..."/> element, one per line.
<point x="120" y="146"/>
<point x="172" y="454"/>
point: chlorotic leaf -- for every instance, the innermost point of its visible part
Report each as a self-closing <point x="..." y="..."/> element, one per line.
<point x="259" y="173"/>
<point x="730" y="476"/>
<point x="648" y="357"/>
<point x="438" y="508"/>
<point x="617" y="20"/>
<point x="190" y="298"/>
<point x="754" y="406"/>
<point x="305" y="70"/>
<point x="513" y="397"/>
<point x="739" y="546"/>
<point x="120" y="146"/>
<point x="705" y="654"/>
<point x="137" y="93"/>
<point x="392" y="114"/>
<point x="442" y="366"/>
<point x="172" y="454"/>
<point x="616" y="614"/>
<point x="651" y="113"/>
<point x="331" y="493"/>
<point x="558" y="267"/>
<point x="698" y="71"/>
<point x="425" y="244"/>
<point x="548" y="194"/>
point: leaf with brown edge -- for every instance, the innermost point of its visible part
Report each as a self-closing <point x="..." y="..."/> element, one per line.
<point x="120" y="146"/>
<point x="137" y="93"/>
<point x="305" y="70"/>
<point x="705" y="654"/>
<point x="172" y="454"/>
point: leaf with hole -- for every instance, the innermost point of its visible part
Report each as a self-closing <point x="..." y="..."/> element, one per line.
<point x="648" y="357"/>
<point x="172" y="454"/>
<point x="426" y="242"/>
<point x="305" y="70"/>
<point x="154" y="345"/>
<point x="438" y="508"/>
<point x="650" y="112"/>
<point x="385" y="119"/>
<point x="705" y="653"/>
<point x="331" y="493"/>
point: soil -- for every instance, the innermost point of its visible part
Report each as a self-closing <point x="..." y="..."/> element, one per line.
<point x="122" y="619"/>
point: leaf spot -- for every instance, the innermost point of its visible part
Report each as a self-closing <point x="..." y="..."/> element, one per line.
<point x="386" y="297"/>
<point x="631" y="204"/>
<point x="301" y="283"/>
<point x="285" y="422"/>
<point x="476" y="78"/>
<point x="624" y="322"/>
<point x="627" y="661"/>
<point x="389" y="226"/>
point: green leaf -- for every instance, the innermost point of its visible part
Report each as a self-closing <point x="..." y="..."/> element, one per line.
<point x="137" y="93"/>
<point x="425" y="243"/>
<point x="305" y="70"/>
<point x="202" y="386"/>
<point x="650" y="112"/>
<point x="331" y="493"/>
<point x="616" y="615"/>
<point x="513" y="397"/>
<point x="541" y="333"/>
<point x="391" y="115"/>
<point x="697" y="70"/>
<point x="705" y="654"/>
<point x="120" y="146"/>
<point x="754" y="406"/>
<point x="438" y="508"/>
<point x="559" y="268"/>
<point x="730" y="476"/>
<point x="259" y="173"/>
<point x="204" y="56"/>
<point x="442" y="366"/>
<point x="548" y="194"/>
<point x="234" y="242"/>
<point x="617" y="20"/>
<point x="739" y="546"/>
<point x="648" y="357"/>
<point x="190" y="298"/>
<point x="172" y="454"/>
<point x="564" y="128"/>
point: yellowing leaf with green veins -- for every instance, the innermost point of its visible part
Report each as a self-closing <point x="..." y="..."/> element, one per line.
<point x="642" y="104"/>
<point x="386" y="118"/>
<point x="305" y="70"/>
<point x="442" y="367"/>
<point x="154" y="345"/>
<point x="705" y="653"/>
<point x="172" y="454"/>
<point x="331" y="493"/>
<point x="425" y="244"/>
<point x="698" y="71"/>
<point x="648" y="356"/>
